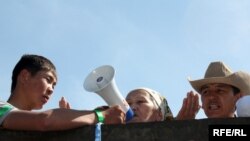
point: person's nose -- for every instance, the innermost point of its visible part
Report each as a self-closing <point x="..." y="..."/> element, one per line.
<point x="133" y="106"/>
<point x="50" y="90"/>
<point x="211" y="95"/>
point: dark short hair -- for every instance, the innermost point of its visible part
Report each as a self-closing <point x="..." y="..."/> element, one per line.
<point x="235" y="90"/>
<point x="32" y="63"/>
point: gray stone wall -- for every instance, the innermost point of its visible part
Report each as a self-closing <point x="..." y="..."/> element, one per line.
<point x="186" y="130"/>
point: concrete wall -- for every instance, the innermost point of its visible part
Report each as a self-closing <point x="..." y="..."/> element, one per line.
<point x="188" y="130"/>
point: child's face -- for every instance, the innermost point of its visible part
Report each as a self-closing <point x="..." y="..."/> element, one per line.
<point x="39" y="88"/>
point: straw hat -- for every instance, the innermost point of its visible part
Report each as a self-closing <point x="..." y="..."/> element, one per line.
<point x="218" y="72"/>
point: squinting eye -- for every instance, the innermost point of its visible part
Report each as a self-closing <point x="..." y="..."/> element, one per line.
<point x="204" y="92"/>
<point x="139" y="102"/>
<point x="220" y="91"/>
<point x="48" y="80"/>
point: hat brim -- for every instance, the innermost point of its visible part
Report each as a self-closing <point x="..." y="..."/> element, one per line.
<point x="240" y="80"/>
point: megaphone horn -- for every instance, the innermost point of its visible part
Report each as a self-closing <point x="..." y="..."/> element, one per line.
<point x="101" y="81"/>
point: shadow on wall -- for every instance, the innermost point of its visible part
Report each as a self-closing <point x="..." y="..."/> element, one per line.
<point x="183" y="130"/>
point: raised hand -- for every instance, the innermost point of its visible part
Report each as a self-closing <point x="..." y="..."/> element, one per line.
<point x="64" y="104"/>
<point x="190" y="107"/>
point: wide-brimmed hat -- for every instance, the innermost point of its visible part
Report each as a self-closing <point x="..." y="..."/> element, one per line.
<point x="218" y="72"/>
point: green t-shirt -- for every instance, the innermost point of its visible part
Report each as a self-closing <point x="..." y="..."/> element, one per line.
<point x="5" y="109"/>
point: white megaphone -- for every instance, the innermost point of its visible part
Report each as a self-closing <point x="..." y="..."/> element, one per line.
<point x="101" y="81"/>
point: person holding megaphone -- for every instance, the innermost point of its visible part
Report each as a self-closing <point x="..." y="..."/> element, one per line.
<point x="33" y="80"/>
<point x="101" y="81"/>
<point x="148" y="106"/>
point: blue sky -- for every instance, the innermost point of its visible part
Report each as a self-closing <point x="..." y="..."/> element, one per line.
<point x="156" y="44"/>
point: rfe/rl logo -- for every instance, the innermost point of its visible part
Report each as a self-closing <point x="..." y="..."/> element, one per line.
<point x="229" y="132"/>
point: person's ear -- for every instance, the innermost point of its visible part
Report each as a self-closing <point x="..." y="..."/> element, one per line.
<point x="24" y="75"/>
<point x="238" y="96"/>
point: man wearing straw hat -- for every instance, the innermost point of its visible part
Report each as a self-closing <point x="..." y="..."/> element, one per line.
<point x="220" y="89"/>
